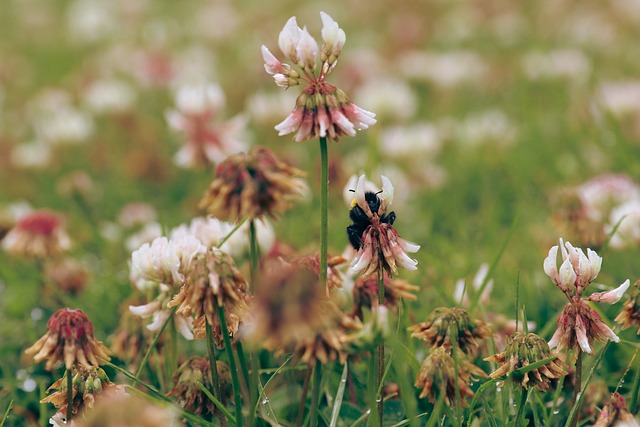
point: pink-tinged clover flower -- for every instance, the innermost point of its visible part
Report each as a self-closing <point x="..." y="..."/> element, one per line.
<point x="38" y="234"/>
<point x="197" y="117"/>
<point x="322" y="110"/>
<point x="378" y="245"/>
<point x="578" y="324"/>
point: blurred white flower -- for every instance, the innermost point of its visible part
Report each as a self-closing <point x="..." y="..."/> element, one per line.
<point x="599" y="195"/>
<point x="91" y="20"/>
<point x="488" y="127"/>
<point x="197" y="118"/>
<point x="621" y="98"/>
<point x="422" y="140"/>
<point x="627" y="218"/>
<point x="194" y="66"/>
<point x="136" y="213"/>
<point x="461" y="290"/>
<point x="31" y="155"/>
<point x="391" y="98"/>
<point x="146" y="234"/>
<point x="109" y="96"/>
<point x="445" y="70"/>
<point x="570" y="64"/>
<point x="266" y="107"/>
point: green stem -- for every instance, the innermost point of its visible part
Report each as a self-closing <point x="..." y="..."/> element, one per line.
<point x="634" y="390"/>
<point x="213" y="365"/>
<point x="252" y="382"/>
<point x="232" y="365"/>
<point x="523" y="402"/>
<point x="324" y="210"/>
<point x="315" y="394"/>
<point x="303" y="397"/>
<point x="69" y="396"/>
<point x="380" y="351"/>
<point x="145" y="359"/>
<point x="577" y="385"/>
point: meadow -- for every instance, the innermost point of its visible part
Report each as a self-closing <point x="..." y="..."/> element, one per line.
<point x="503" y="127"/>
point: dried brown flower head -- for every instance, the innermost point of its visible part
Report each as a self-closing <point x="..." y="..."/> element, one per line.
<point x="451" y="325"/>
<point x="39" y="234"/>
<point x="251" y="186"/>
<point x="130" y="339"/>
<point x="334" y="276"/>
<point x="212" y="281"/>
<point x="69" y="339"/>
<point x="630" y="314"/>
<point x="437" y="376"/>
<point x="365" y="293"/>
<point x="616" y="414"/>
<point x="525" y="349"/>
<point x="67" y="274"/>
<point x="187" y="392"/>
<point x="87" y="385"/>
<point x="291" y="312"/>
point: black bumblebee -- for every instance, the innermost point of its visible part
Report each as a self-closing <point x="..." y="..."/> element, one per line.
<point x="361" y="221"/>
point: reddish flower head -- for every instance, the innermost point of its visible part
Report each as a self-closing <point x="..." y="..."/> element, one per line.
<point x="39" y="234"/>
<point x="69" y="339"/>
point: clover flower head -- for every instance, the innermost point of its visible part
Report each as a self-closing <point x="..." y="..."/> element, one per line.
<point x="38" y="234"/>
<point x="372" y="234"/>
<point x="322" y="110"/>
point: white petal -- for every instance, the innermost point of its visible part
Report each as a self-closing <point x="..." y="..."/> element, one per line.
<point x="307" y="49"/>
<point x="360" y="199"/>
<point x="550" y="264"/>
<point x="612" y="296"/>
<point x="567" y="275"/>
<point x="289" y="38"/>
<point x="387" y="193"/>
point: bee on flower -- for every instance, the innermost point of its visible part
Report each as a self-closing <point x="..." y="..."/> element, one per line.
<point x="322" y="110"/>
<point x="378" y="245"/>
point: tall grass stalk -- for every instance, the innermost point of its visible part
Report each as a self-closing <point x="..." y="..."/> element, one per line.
<point x="232" y="365"/>
<point x="324" y="210"/>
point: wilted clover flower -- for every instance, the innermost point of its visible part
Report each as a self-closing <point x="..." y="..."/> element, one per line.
<point x="438" y="375"/>
<point x="186" y="380"/>
<point x="252" y="186"/>
<point x="69" y="339"/>
<point x="446" y="327"/>
<point x="88" y="385"/>
<point x="630" y="314"/>
<point x="130" y="411"/>
<point x="38" y="234"/>
<point x="578" y="324"/>
<point x="213" y="281"/>
<point x="616" y="414"/>
<point x="322" y="110"/>
<point x="372" y="234"/>
<point x="365" y="293"/>
<point x="208" y="141"/>
<point x="523" y="350"/>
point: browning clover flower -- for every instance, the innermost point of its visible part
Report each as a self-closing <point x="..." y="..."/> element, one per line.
<point x="87" y="384"/>
<point x="291" y="312"/>
<point x="437" y="376"/>
<point x="616" y="414"/>
<point x="251" y="186"/>
<point x="39" y="234"/>
<point x="525" y="349"/>
<point x="131" y="411"/>
<point x="213" y="281"/>
<point x="322" y="110"/>
<point x="69" y="339"/>
<point x="186" y="388"/>
<point x="451" y="326"/>
<point x="365" y="293"/>
<point x="334" y="276"/>
<point x="630" y="314"/>
<point x="578" y="324"/>
<point x="196" y="117"/>
<point x="372" y="234"/>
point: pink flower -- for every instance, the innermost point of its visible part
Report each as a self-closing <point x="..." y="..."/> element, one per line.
<point x="38" y="234"/>
<point x="322" y="110"/>
<point x="578" y="324"/>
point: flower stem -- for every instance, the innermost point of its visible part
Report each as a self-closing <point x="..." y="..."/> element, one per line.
<point x="252" y="382"/>
<point x="303" y="396"/>
<point x="213" y="366"/>
<point x="69" y="396"/>
<point x="324" y="210"/>
<point x="523" y="402"/>
<point x="577" y="385"/>
<point x="380" y="351"/>
<point x="315" y="394"/>
<point x="232" y="366"/>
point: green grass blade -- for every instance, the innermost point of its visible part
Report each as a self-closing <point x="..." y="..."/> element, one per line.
<point x="337" y="404"/>
<point x="6" y="413"/>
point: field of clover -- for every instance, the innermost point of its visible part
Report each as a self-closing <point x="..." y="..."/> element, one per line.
<point x="361" y="213"/>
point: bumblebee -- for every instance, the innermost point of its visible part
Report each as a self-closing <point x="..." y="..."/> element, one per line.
<point x="361" y="221"/>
